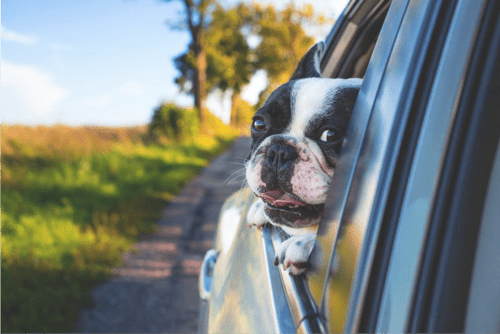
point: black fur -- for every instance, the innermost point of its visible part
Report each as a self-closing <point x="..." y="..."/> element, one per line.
<point x="309" y="64"/>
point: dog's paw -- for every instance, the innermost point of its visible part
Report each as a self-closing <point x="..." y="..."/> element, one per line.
<point x="256" y="216"/>
<point x="294" y="253"/>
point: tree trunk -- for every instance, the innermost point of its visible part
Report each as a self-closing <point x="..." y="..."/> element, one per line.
<point x="234" y="110"/>
<point x="199" y="80"/>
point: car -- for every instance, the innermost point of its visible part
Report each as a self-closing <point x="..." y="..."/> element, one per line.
<point x="413" y="213"/>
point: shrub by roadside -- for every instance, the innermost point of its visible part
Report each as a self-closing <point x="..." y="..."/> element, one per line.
<point x="74" y="199"/>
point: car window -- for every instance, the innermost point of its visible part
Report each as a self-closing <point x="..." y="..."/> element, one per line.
<point x="348" y="50"/>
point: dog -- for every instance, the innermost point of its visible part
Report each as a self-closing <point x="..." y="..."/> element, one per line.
<point x="296" y="139"/>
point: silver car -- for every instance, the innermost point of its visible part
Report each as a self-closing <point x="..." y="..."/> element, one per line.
<point x="414" y="214"/>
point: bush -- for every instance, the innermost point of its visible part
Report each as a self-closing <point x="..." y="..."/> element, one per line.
<point x="172" y="122"/>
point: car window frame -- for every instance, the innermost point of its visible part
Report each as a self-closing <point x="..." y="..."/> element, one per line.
<point x="396" y="304"/>
<point x="437" y="26"/>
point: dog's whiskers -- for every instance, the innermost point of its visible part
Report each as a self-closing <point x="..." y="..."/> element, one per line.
<point x="239" y="173"/>
<point x="235" y="178"/>
<point x="237" y="163"/>
<point x="244" y="183"/>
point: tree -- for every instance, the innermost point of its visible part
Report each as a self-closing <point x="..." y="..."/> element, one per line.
<point x="195" y="20"/>
<point x="229" y="64"/>
<point x="231" y="61"/>
<point x="283" y="41"/>
<point x="228" y="56"/>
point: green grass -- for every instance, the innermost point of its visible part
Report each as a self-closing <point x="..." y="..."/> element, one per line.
<point x="67" y="218"/>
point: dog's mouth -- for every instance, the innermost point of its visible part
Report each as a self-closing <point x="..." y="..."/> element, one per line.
<point x="289" y="206"/>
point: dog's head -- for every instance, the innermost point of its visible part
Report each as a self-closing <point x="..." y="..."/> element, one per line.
<point x="296" y="139"/>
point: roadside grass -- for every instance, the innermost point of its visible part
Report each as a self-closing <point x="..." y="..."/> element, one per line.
<point x="74" y="199"/>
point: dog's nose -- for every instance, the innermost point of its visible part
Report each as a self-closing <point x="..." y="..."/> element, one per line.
<point x="281" y="156"/>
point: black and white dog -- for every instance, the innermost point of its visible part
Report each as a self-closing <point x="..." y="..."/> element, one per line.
<point x="296" y="139"/>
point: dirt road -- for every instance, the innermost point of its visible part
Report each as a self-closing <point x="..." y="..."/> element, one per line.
<point x="156" y="289"/>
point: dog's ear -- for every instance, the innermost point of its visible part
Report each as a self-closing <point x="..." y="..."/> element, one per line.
<point x="309" y="64"/>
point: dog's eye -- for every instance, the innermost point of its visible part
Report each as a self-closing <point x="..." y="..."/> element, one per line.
<point x="329" y="136"/>
<point x="259" y="124"/>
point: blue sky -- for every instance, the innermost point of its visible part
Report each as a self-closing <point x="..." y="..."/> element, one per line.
<point x="94" y="62"/>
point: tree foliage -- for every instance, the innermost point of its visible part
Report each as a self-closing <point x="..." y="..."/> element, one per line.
<point x="231" y="59"/>
<point x="283" y="41"/>
<point x="229" y="64"/>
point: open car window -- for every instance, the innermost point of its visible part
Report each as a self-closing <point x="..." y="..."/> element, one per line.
<point x="349" y="48"/>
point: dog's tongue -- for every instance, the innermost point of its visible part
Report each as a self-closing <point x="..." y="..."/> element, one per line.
<point x="279" y="198"/>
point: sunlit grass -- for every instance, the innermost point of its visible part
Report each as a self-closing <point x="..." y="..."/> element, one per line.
<point x="73" y="200"/>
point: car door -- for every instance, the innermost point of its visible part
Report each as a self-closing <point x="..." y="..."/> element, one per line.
<point x="402" y="220"/>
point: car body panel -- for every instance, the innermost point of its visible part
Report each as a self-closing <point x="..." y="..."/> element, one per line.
<point x="246" y="295"/>
<point x="249" y="293"/>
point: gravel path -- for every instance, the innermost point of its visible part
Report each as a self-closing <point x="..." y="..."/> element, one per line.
<point x="156" y="290"/>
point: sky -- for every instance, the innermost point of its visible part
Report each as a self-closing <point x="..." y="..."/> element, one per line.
<point x="106" y="63"/>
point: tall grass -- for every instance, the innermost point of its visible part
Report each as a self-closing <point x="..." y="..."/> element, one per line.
<point x="73" y="200"/>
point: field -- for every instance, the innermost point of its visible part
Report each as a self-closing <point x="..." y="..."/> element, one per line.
<point x="73" y="200"/>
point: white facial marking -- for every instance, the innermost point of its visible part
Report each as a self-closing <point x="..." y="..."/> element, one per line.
<point x="309" y="97"/>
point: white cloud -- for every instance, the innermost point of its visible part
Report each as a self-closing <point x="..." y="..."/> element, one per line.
<point x="131" y="88"/>
<point x="28" y="91"/>
<point x="12" y="36"/>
